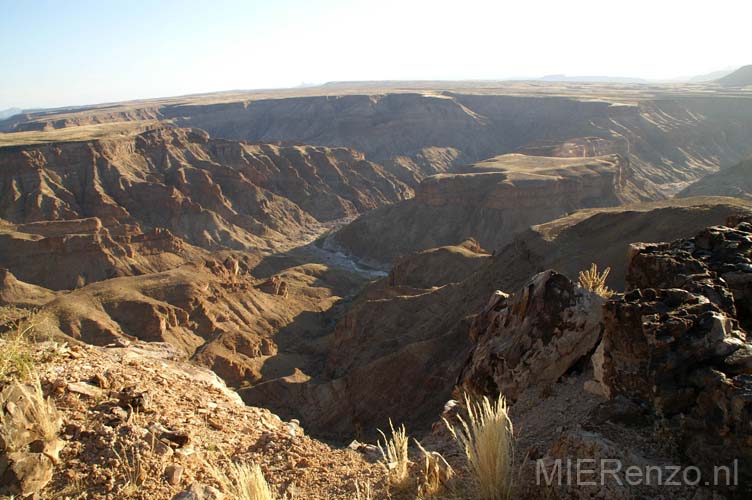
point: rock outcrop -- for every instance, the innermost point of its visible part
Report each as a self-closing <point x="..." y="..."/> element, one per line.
<point x="671" y="355"/>
<point x="675" y="341"/>
<point x="532" y="338"/>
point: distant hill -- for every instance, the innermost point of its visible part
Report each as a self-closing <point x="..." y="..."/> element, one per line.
<point x="739" y="78"/>
<point x="592" y="79"/>
<point x="712" y="76"/>
<point x="7" y="113"/>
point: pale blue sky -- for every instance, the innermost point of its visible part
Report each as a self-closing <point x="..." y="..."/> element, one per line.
<point x="69" y="52"/>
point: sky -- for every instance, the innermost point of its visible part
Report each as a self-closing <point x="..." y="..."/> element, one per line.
<point x="74" y="52"/>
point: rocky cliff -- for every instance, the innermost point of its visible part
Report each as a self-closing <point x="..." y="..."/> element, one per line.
<point x="670" y="135"/>
<point x="66" y="254"/>
<point x="210" y="193"/>
<point x="670" y="139"/>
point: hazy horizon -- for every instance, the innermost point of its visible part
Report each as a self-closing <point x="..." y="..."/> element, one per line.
<point x="80" y="53"/>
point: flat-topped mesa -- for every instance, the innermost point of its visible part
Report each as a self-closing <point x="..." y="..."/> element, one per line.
<point x="489" y="201"/>
<point x="89" y="225"/>
<point x="578" y="147"/>
<point x="517" y="181"/>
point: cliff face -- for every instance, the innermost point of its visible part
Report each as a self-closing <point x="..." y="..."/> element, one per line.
<point x="214" y="311"/>
<point x="210" y="193"/>
<point x="668" y="139"/>
<point x="671" y="136"/>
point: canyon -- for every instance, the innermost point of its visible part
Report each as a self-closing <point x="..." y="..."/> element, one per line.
<point x="354" y="254"/>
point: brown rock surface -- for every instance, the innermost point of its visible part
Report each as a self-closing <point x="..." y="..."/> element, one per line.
<point x="222" y="319"/>
<point x="107" y="456"/>
<point x="67" y="254"/>
<point x="734" y="181"/>
<point x="682" y="350"/>
<point x="532" y="338"/>
<point x="18" y="293"/>
<point x="209" y="192"/>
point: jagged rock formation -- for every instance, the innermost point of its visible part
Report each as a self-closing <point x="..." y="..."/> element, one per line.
<point x="533" y="337"/>
<point x="209" y="192"/>
<point x="733" y="181"/>
<point x="570" y="244"/>
<point x="216" y="313"/>
<point x="672" y="351"/>
<point x="678" y="341"/>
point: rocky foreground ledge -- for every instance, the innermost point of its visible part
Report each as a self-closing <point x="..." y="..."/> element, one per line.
<point x="135" y="422"/>
<point x="658" y="376"/>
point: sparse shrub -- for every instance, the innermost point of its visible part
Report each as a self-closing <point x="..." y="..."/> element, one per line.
<point x="435" y="475"/>
<point x="487" y="438"/>
<point x="394" y="453"/>
<point x="242" y="482"/>
<point x="31" y="417"/>
<point x="133" y="469"/>
<point x="593" y="281"/>
<point x="18" y="327"/>
<point x="363" y="492"/>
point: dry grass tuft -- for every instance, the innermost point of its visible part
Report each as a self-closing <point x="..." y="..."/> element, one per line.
<point x="27" y="416"/>
<point x="363" y="492"/>
<point x="133" y="469"/>
<point x="242" y="482"/>
<point x="395" y="456"/>
<point x="436" y="473"/>
<point x="487" y="438"/>
<point x="18" y="327"/>
<point x="593" y="281"/>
